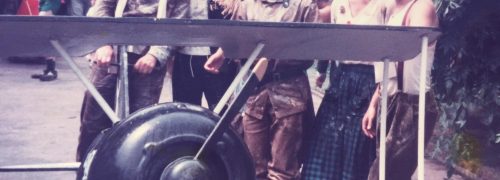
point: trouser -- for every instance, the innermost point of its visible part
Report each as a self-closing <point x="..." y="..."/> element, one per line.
<point x="273" y="127"/>
<point x="283" y="136"/>
<point x="401" y="143"/>
<point x="144" y="90"/>
<point x="190" y="80"/>
<point x="78" y="7"/>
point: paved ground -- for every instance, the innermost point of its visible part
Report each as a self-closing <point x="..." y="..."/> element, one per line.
<point x="40" y="120"/>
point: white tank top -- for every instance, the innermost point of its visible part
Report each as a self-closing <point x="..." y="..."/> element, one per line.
<point x="411" y="71"/>
<point x="371" y="14"/>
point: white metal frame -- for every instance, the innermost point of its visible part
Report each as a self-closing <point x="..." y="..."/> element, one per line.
<point x="421" y="114"/>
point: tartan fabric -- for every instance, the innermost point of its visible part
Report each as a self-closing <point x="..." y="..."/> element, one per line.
<point x="339" y="149"/>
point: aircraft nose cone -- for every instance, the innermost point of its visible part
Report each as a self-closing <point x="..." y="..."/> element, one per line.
<point x="186" y="169"/>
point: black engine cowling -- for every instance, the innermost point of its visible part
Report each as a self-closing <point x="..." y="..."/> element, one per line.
<point x="159" y="142"/>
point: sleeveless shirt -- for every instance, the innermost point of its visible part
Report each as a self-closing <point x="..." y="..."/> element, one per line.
<point x="411" y="71"/>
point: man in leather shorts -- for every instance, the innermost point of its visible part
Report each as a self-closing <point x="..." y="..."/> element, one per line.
<point x="274" y="115"/>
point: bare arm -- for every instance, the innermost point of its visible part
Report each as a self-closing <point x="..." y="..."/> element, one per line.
<point x="367" y="124"/>
<point x="321" y="67"/>
<point x="423" y="14"/>
<point x="236" y="10"/>
<point x="215" y="61"/>
<point x="103" y="8"/>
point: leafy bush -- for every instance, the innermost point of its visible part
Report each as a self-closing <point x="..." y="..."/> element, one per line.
<point x="466" y="79"/>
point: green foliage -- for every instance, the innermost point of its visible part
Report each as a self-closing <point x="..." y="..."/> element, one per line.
<point x="466" y="76"/>
<point x="467" y="67"/>
<point x="465" y="148"/>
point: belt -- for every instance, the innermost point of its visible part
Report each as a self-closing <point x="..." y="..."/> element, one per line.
<point x="281" y="76"/>
<point x="356" y="67"/>
<point x="180" y="55"/>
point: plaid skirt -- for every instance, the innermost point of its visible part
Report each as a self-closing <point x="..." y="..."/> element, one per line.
<point x="339" y="149"/>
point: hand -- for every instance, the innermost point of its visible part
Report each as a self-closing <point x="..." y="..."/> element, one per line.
<point x="103" y="56"/>
<point x="145" y="64"/>
<point x="320" y="80"/>
<point x="214" y="62"/>
<point x="367" y="122"/>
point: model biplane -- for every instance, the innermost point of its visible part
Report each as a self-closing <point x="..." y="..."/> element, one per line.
<point x="183" y="141"/>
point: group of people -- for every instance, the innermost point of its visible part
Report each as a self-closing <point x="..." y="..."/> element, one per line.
<point x="344" y="146"/>
<point x="46" y="7"/>
<point x="283" y="138"/>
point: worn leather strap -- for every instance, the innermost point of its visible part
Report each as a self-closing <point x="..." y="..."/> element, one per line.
<point x="401" y="65"/>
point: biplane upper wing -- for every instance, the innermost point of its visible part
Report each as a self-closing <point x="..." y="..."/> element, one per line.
<point x="29" y="36"/>
<point x="49" y="36"/>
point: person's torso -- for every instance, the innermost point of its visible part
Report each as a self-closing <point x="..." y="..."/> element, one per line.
<point x="279" y="11"/>
<point x="176" y="9"/>
<point x="370" y="14"/>
<point x="411" y="70"/>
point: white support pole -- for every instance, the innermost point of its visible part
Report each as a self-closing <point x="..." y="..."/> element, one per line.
<point x="120" y="7"/>
<point x="162" y="9"/>
<point x="124" y="73"/>
<point x="221" y="126"/>
<point x="121" y="95"/>
<point x="122" y="103"/>
<point x="383" y="122"/>
<point x="223" y="101"/>
<point x="421" y="108"/>
<point x="97" y="96"/>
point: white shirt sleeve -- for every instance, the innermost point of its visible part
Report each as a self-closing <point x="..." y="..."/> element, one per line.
<point x="379" y="70"/>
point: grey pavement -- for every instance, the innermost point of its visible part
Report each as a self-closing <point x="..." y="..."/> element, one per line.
<point x="40" y="120"/>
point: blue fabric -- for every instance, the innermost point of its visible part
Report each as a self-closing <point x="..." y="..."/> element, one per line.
<point x="339" y="150"/>
<point x="49" y="5"/>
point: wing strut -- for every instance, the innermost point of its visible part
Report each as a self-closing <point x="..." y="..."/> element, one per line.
<point x="90" y="87"/>
<point x="239" y="77"/>
<point x="72" y="166"/>
<point x="122" y="105"/>
<point x="240" y="98"/>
